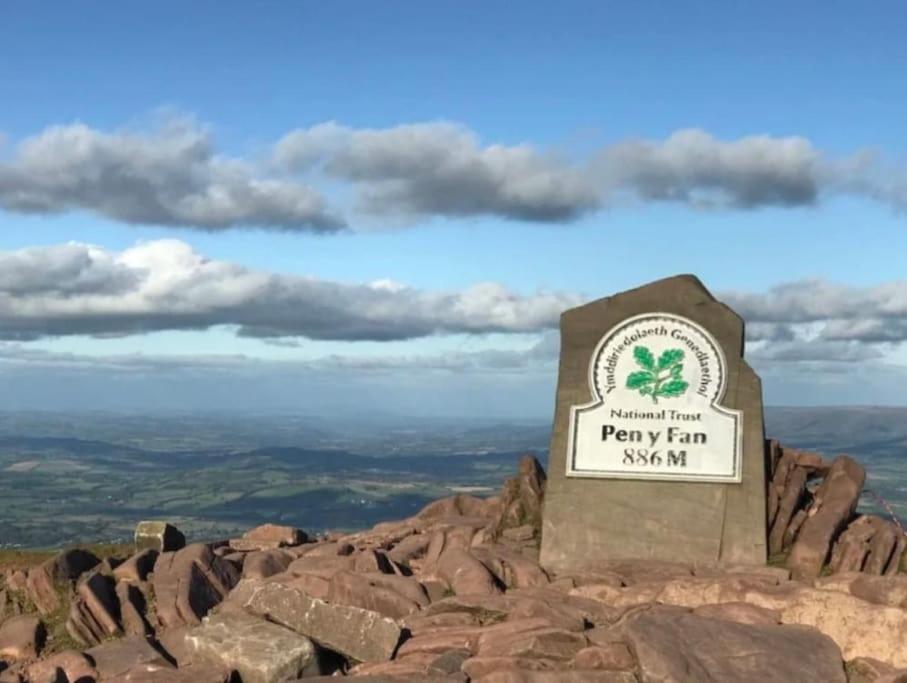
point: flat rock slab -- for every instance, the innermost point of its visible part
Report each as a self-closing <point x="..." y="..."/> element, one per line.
<point x="673" y="645"/>
<point x="118" y="657"/>
<point x="360" y="634"/>
<point x="260" y="651"/>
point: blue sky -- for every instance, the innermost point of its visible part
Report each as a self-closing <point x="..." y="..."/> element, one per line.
<point x="797" y="174"/>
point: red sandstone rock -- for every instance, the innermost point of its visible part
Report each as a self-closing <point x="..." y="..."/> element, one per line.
<point x="830" y="512"/>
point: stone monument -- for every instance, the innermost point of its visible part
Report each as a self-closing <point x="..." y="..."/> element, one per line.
<point x="658" y="446"/>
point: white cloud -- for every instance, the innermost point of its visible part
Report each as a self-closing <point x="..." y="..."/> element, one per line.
<point x="170" y="177"/>
<point x="174" y="176"/>
<point x="442" y="169"/>
<point x="166" y="285"/>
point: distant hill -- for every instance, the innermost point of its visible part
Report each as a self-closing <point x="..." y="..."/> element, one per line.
<point x="865" y="431"/>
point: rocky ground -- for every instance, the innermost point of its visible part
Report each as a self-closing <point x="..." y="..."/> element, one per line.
<point x="456" y="593"/>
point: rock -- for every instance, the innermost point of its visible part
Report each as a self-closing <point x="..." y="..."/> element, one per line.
<point x="160" y="536"/>
<point x="189" y="582"/>
<point x="465" y="574"/>
<point x="881" y="590"/>
<point x="22" y="638"/>
<point x="852" y="547"/>
<point x="610" y="657"/>
<point x="137" y="568"/>
<point x="530" y="638"/>
<point x="156" y="673"/>
<point x="409" y="548"/>
<point x="510" y="568"/>
<point x="460" y="505"/>
<point x="520" y="533"/>
<point x="268" y="536"/>
<point x="392" y="596"/>
<point x="360" y="634"/>
<point x="264" y="563"/>
<point x="480" y="668"/>
<point x="521" y="499"/>
<point x="740" y="612"/>
<point x="43" y="581"/>
<point x="860" y="628"/>
<point x="68" y="666"/>
<point x="132" y="610"/>
<point x="94" y="614"/>
<point x="790" y="496"/>
<point x="674" y="645"/>
<point x="117" y="657"/>
<point x="260" y="651"/>
<point x="867" y="670"/>
<point x="831" y="510"/>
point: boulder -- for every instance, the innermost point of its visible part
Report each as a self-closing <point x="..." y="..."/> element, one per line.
<point x="461" y="505"/>
<point x="132" y="610"/>
<point x="674" y="645"/>
<point x="608" y="657"/>
<point x="881" y="590"/>
<point x="189" y="582"/>
<point x="44" y="582"/>
<point x="790" y="494"/>
<point x="95" y="612"/>
<point x="137" y="568"/>
<point x="68" y="666"/>
<point x="159" y="536"/>
<point x="521" y="499"/>
<point x="830" y="511"/>
<point x="269" y="536"/>
<point x="115" y="658"/>
<point x="362" y="635"/>
<point x="740" y="612"/>
<point x="22" y="638"/>
<point x="260" y="651"/>
<point x="860" y="628"/>
<point x="264" y="563"/>
<point x="465" y="574"/>
<point x="392" y="596"/>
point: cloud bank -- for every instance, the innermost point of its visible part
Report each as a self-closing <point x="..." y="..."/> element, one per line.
<point x="165" y="285"/>
<point x="174" y="176"/>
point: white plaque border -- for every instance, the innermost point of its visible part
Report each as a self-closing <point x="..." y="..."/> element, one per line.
<point x="736" y="475"/>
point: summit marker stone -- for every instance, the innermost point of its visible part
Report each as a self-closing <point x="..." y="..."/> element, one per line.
<point x="658" y="446"/>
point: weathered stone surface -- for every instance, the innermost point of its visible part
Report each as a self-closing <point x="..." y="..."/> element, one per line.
<point x="137" y="568"/>
<point x="881" y="590"/>
<point x="160" y="536"/>
<point x="831" y="510"/>
<point x="269" y="536"/>
<point x="117" y="657"/>
<point x="674" y="645"/>
<point x="465" y="574"/>
<point x="360" y="634"/>
<point x="264" y="563"/>
<point x="43" y="581"/>
<point x="588" y="520"/>
<point x="461" y="505"/>
<point x="156" y="673"/>
<point x="609" y="657"/>
<point x="741" y="612"/>
<point x="868" y="670"/>
<point x="68" y="666"/>
<point x="521" y="500"/>
<point x="260" y="651"/>
<point x="392" y="596"/>
<point x="189" y="582"/>
<point x="790" y="497"/>
<point x="22" y="638"/>
<point x="132" y="610"/>
<point x="860" y="628"/>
